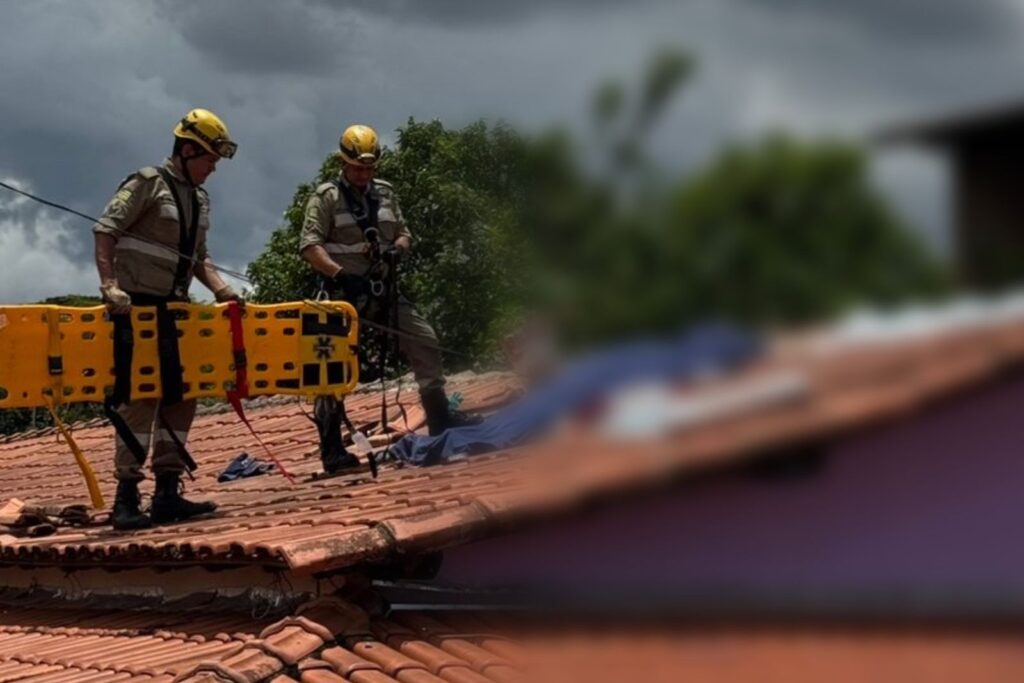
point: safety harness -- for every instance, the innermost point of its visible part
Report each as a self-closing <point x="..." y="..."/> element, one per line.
<point x="382" y="278"/>
<point x="366" y="217"/>
<point x="172" y="389"/>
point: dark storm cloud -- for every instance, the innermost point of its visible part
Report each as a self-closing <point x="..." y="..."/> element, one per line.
<point x="93" y="87"/>
<point x="911" y="20"/>
<point x="283" y="36"/>
<point x="467" y="12"/>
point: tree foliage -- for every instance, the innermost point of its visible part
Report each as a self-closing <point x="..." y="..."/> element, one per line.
<point x="776" y="231"/>
<point x="786" y="231"/>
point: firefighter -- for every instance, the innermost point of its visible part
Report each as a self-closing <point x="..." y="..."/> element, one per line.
<point x="150" y="243"/>
<point x="354" y="235"/>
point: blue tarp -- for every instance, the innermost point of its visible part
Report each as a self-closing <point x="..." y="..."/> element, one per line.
<point x="701" y="349"/>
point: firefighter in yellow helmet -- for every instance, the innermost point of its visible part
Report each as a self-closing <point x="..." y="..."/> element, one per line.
<point x="150" y="243"/>
<point x="354" y="236"/>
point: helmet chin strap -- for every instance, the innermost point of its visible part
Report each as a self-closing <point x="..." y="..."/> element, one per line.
<point x="183" y="160"/>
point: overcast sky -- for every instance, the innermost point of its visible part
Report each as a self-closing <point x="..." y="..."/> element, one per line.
<point x="91" y="89"/>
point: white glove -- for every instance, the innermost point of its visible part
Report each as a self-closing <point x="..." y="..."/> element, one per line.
<point x="116" y="299"/>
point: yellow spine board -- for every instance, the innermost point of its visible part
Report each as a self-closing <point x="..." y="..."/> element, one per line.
<point x="65" y="352"/>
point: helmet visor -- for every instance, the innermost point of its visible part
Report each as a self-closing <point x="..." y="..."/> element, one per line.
<point x="222" y="147"/>
<point x="367" y="159"/>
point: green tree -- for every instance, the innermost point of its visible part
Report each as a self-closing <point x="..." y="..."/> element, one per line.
<point x="788" y="231"/>
<point x="776" y="231"/>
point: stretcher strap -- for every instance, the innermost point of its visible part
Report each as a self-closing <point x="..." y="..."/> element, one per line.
<point x="171" y="385"/>
<point x="124" y="345"/>
<point x="236" y="403"/>
<point x="241" y="389"/>
<point x="238" y="350"/>
<point x="186" y="457"/>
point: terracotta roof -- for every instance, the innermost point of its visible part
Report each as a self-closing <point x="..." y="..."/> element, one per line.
<point x="332" y="640"/>
<point x="323" y="640"/>
<point x="334" y="523"/>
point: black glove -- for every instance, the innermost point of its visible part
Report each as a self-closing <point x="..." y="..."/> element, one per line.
<point x="226" y="294"/>
<point x="348" y="287"/>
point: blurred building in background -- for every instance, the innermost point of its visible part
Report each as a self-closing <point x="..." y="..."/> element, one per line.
<point x="985" y="148"/>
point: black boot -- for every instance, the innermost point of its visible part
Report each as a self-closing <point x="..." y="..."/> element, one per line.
<point x="169" y="506"/>
<point x="126" y="515"/>
<point x="327" y="416"/>
<point x="439" y="416"/>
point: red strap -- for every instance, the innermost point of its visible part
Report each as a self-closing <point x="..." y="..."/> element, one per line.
<point x="237" y="405"/>
<point x="241" y="389"/>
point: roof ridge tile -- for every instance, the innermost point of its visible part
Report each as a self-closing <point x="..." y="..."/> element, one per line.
<point x="391" y="660"/>
<point x="339" y="617"/>
<point x="293" y="638"/>
<point x="251" y="664"/>
<point x="346" y="662"/>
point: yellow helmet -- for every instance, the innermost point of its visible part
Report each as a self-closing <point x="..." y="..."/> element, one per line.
<point x="359" y="145"/>
<point x="205" y="128"/>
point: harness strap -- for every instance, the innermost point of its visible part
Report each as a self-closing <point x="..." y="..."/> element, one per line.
<point x="366" y="216"/>
<point x="187" y="233"/>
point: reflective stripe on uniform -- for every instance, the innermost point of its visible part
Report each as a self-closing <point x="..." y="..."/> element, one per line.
<point x="163" y="436"/>
<point x="166" y="253"/>
<point x="358" y="248"/>
<point x="142" y="437"/>
<point x="343" y="219"/>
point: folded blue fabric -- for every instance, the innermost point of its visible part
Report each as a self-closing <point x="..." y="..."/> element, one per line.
<point x="244" y="466"/>
<point x="699" y="350"/>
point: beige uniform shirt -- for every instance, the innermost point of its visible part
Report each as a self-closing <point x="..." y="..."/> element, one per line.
<point x="143" y="218"/>
<point x="329" y="224"/>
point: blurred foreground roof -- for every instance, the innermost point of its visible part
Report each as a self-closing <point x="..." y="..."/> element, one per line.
<point x="332" y="536"/>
